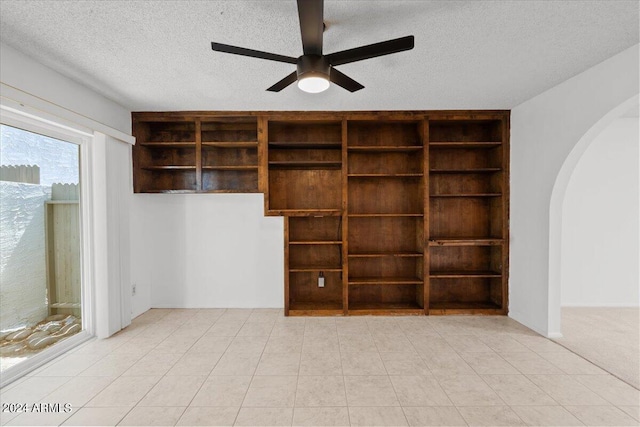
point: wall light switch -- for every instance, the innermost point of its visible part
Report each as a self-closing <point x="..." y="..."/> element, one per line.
<point x="321" y="280"/>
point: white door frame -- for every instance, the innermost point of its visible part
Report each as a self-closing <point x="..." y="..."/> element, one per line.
<point x="83" y="138"/>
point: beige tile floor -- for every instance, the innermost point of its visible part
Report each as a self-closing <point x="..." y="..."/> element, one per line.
<point x="607" y="336"/>
<point x="256" y="367"/>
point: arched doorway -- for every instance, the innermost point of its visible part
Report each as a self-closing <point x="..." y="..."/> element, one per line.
<point x="555" y="209"/>
<point x="593" y="257"/>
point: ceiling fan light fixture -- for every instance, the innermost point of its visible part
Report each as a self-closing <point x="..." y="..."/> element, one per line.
<point x="313" y="83"/>
<point x="315" y="70"/>
<point x="313" y="73"/>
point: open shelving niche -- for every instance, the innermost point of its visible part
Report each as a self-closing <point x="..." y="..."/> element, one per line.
<point x="193" y="154"/>
<point x="304" y="163"/>
<point x="313" y="247"/>
<point x="230" y="154"/>
<point x="165" y="156"/>
<point x="467" y="216"/>
<point x="304" y="167"/>
<point x="385" y="217"/>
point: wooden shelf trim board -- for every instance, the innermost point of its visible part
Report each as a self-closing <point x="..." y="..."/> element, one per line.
<point x="463" y="274"/>
<point x="385" y="281"/>
<point x="230" y="144"/>
<point x="384" y="148"/>
<point x="465" y="241"/>
<point x="170" y="168"/>
<point x="464" y="170"/>
<point x="464" y="144"/>
<point x="467" y="195"/>
<point x="386" y="254"/>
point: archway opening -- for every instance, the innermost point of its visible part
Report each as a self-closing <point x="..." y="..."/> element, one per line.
<point x="593" y="244"/>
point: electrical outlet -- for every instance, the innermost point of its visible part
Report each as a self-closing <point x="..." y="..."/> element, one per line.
<point x="321" y="280"/>
<point x="133" y="290"/>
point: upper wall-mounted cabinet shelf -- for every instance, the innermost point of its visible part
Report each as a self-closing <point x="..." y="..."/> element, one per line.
<point x="190" y="154"/>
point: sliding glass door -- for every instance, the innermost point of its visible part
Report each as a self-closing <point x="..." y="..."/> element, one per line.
<point x="41" y="268"/>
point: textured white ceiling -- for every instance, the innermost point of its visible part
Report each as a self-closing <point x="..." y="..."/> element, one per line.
<point x="156" y="55"/>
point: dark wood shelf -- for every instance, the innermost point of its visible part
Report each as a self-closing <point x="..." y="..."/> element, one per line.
<point x="465" y="170"/>
<point x="467" y="195"/>
<point x="231" y="168"/>
<point x="385" y="175"/>
<point x="230" y="144"/>
<point x="463" y="274"/>
<point x="308" y="268"/>
<point x="168" y="144"/>
<point x="364" y="308"/>
<point x="318" y="145"/>
<point x="168" y="191"/>
<point x="464" y="144"/>
<point x="458" y="307"/>
<point x="386" y="254"/>
<point x="385" y="148"/>
<point x="384" y="215"/>
<point x="316" y="242"/>
<point x="169" y="168"/>
<point x="305" y="164"/>
<point x="229" y="191"/>
<point x="310" y="308"/>
<point x="204" y="154"/>
<point x="465" y="241"/>
<point x="391" y="281"/>
<point x="305" y="212"/>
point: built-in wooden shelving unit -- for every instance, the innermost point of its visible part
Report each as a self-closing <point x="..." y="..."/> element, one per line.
<point x="394" y="212"/>
<point x="181" y="153"/>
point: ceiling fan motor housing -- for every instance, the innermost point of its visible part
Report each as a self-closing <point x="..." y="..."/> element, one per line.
<point x="313" y="66"/>
<point x="314" y="70"/>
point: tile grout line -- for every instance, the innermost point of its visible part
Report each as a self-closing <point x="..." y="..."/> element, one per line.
<point x="155" y="384"/>
<point x="295" y="394"/>
<point x="207" y="376"/>
<point x="235" y="420"/>
<point x="587" y="360"/>
<point x="78" y="374"/>
<point x="395" y="392"/>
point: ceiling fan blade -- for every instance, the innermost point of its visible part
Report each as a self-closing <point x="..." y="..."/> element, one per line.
<point x="371" y="51"/>
<point x="344" y="81"/>
<point x="284" y="82"/>
<point x="310" y="13"/>
<point x="219" y="47"/>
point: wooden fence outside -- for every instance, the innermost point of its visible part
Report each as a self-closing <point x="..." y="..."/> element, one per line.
<point x="62" y="231"/>
<point x="29" y="174"/>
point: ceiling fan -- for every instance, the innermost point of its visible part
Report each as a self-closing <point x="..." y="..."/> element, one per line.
<point x="314" y="69"/>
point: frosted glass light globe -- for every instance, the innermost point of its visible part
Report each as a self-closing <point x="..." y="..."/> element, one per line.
<point x="313" y="84"/>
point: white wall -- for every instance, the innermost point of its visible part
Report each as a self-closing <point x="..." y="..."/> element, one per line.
<point x="600" y="222"/>
<point x="545" y="131"/>
<point x="29" y="86"/>
<point x="206" y="250"/>
<point x="27" y="75"/>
